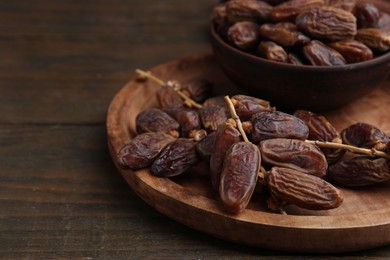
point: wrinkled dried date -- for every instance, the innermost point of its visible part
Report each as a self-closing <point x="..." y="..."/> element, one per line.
<point x="376" y="39"/>
<point x="347" y="5"/>
<point x="322" y="130"/>
<point x="156" y="120"/>
<point x="198" y="89"/>
<point x="239" y="176"/>
<point x="294" y="154"/>
<point x="365" y="135"/>
<point x="212" y="117"/>
<point x="215" y="101"/>
<point x="226" y="136"/>
<point x="246" y="106"/>
<point x="353" y="51"/>
<point x="294" y="59"/>
<point x="288" y="186"/>
<point x="167" y="97"/>
<point x="247" y="10"/>
<point x="327" y="23"/>
<point x="287" y="11"/>
<point x="359" y="171"/>
<point x="141" y="151"/>
<point x="244" y="35"/>
<point x="188" y="119"/>
<point x="318" y="54"/>
<point x="175" y="159"/>
<point x="276" y="124"/>
<point x="272" y="51"/>
<point x="285" y="34"/>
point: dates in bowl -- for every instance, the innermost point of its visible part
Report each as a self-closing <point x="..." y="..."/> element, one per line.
<point x="312" y="54"/>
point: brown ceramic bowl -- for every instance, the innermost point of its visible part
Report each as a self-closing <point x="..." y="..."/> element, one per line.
<point x="290" y="86"/>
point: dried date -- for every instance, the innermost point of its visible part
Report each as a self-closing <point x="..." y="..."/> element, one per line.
<point x="244" y="35"/>
<point x="198" y="89"/>
<point x="287" y="11"/>
<point x="225" y="137"/>
<point x="353" y="51"/>
<point x="327" y="23"/>
<point x="318" y="54"/>
<point x="141" y="151"/>
<point x="294" y="154"/>
<point x="248" y="10"/>
<point x="212" y="117"/>
<point x="376" y="39"/>
<point x="322" y="130"/>
<point x="284" y="34"/>
<point x="347" y="5"/>
<point x="365" y="135"/>
<point x="239" y="176"/>
<point x="156" y="120"/>
<point x="168" y="97"/>
<point x="205" y="146"/>
<point x="175" y="159"/>
<point x="359" y="171"/>
<point x="276" y="124"/>
<point x="188" y="119"/>
<point x="288" y="186"/>
<point x="246" y="106"/>
<point x="215" y="101"/>
<point x="367" y="15"/>
<point x="272" y="51"/>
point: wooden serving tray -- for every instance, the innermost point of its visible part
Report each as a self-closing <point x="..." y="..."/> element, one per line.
<point x="361" y="222"/>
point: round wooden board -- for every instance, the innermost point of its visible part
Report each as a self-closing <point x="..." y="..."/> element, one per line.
<point x="361" y="222"/>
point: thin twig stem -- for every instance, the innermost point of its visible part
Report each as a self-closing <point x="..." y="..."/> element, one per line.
<point x="236" y="118"/>
<point x="149" y="75"/>
<point x="188" y="101"/>
<point x="353" y="149"/>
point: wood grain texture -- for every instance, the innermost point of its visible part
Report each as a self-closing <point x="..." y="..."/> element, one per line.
<point x="61" y="196"/>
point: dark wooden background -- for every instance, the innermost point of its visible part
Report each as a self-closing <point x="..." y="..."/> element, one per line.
<point x="61" y="63"/>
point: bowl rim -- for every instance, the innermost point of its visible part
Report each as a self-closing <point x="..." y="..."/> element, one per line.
<point x="248" y="56"/>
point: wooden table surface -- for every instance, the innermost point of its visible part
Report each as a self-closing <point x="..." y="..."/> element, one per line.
<point x="61" y="196"/>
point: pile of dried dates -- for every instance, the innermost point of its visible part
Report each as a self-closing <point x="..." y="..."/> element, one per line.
<point x="248" y="145"/>
<point x="304" y="32"/>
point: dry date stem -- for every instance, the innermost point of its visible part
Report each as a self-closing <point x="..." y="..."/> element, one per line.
<point x="236" y="118"/>
<point x="188" y="101"/>
<point x="353" y="149"/>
